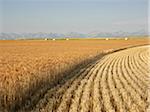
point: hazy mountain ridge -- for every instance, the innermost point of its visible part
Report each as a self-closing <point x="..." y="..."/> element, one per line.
<point x="12" y="36"/>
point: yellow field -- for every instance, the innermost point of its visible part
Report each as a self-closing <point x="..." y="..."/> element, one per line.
<point x="116" y="83"/>
<point x="30" y="67"/>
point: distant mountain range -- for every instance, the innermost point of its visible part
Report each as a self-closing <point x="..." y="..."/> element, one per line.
<point x="13" y="36"/>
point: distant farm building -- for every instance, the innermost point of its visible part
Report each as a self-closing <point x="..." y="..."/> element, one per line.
<point x="46" y="39"/>
<point x="67" y="39"/>
<point x="53" y="39"/>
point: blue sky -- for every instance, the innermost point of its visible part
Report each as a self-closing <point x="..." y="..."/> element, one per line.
<point x="63" y="16"/>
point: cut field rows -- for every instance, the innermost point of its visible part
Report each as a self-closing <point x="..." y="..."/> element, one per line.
<point x="116" y="83"/>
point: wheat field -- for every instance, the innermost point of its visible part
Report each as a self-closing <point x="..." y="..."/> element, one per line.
<point x="116" y="83"/>
<point x="74" y="75"/>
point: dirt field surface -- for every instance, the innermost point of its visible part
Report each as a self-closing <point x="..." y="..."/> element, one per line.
<point x="30" y="67"/>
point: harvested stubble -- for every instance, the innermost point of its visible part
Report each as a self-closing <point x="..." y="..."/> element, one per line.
<point x="27" y="67"/>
